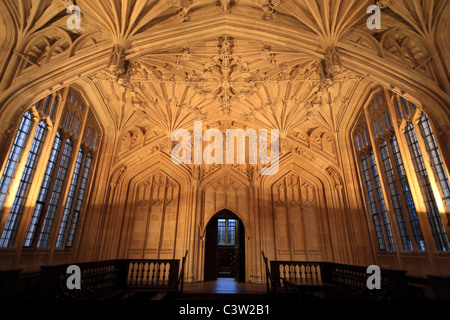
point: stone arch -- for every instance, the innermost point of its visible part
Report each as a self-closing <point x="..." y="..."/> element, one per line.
<point x="224" y="208"/>
<point x="155" y="211"/>
<point x="97" y="58"/>
<point x="87" y="41"/>
<point x="128" y="209"/>
<point x="333" y="236"/>
<point x="162" y="160"/>
<point x="321" y="139"/>
<point x="406" y="46"/>
<point x="130" y="139"/>
<point x="224" y="190"/>
<point x="362" y="40"/>
<point x="59" y="46"/>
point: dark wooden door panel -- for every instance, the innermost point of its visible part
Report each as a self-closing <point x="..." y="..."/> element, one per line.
<point x="211" y="251"/>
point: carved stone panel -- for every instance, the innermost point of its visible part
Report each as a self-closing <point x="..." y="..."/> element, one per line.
<point x="155" y="217"/>
<point x="297" y="227"/>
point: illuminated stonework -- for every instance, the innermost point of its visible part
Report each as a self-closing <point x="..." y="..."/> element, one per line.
<point x="309" y="69"/>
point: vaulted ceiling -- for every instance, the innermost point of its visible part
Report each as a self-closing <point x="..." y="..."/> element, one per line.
<point x="225" y="75"/>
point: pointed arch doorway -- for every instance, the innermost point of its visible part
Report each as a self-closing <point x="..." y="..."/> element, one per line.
<point x="225" y="247"/>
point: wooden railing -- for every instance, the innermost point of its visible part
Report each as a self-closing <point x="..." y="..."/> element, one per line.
<point x="293" y="270"/>
<point x="161" y="274"/>
<point x="113" y="276"/>
<point x="350" y="281"/>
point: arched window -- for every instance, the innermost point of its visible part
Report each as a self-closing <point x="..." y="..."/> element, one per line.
<point x="15" y="214"/>
<point x="384" y="176"/>
<point x="51" y="188"/>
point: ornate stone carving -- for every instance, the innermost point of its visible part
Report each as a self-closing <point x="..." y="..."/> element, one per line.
<point x="270" y="8"/>
<point x="225" y="183"/>
<point x="308" y="195"/>
<point x="293" y="184"/>
<point x="142" y="197"/>
<point x="334" y="174"/>
<point x="129" y="139"/>
<point x="116" y="64"/>
<point x="183" y="7"/>
<point x="333" y="65"/>
<point x="383" y="4"/>
<point x="116" y="176"/>
<point x="197" y="172"/>
<point x="225" y="5"/>
<point x="409" y="48"/>
<point x="42" y="49"/>
<point x="279" y="194"/>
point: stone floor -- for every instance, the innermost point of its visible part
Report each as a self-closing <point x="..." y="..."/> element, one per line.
<point x="224" y="286"/>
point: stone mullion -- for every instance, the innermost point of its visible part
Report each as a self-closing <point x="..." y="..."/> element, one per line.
<point x="75" y="196"/>
<point x="347" y="223"/>
<point x="177" y="216"/>
<point x="82" y="217"/>
<point x="413" y="181"/>
<point x="190" y="225"/>
<point x="256" y="234"/>
<point x="384" y="185"/>
<point x="40" y="170"/>
<point x="444" y="164"/>
<point x="435" y="185"/>
<point x="286" y="206"/>
<point x="149" y="214"/>
<point x="192" y="237"/>
<point x="78" y="183"/>
<point x="15" y="181"/>
<point x="86" y="150"/>
<point x="377" y="203"/>
<point x="373" y="230"/>
<point x="50" y="191"/>
<point x="395" y="228"/>
<point x="76" y="144"/>
<point x="402" y="197"/>
<point x="163" y="216"/>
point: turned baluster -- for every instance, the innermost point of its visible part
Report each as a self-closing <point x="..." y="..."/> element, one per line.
<point x="158" y="276"/>
<point x="164" y="272"/>
<point x="155" y="267"/>
<point x="130" y="274"/>
<point x="145" y="274"/>
<point x="135" y="275"/>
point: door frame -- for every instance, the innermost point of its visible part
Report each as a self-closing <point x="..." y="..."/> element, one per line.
<point x="210" y="265"/>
